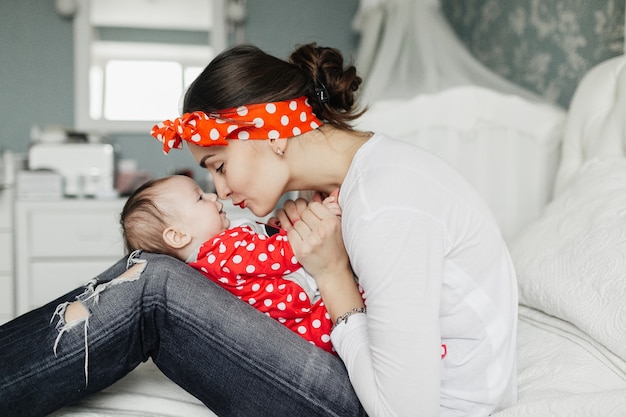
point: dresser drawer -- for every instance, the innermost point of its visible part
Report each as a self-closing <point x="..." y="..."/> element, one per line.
<point x="61" y="245"/>
<point x="50" y="280"/>
<point x="6" y="253"/>
<point x="74" y="233"/>
<point x="6" y="297"/>
<point x="6" y="209"/>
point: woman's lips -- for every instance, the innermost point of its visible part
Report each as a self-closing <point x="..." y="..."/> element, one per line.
<point x="241" y="204"/>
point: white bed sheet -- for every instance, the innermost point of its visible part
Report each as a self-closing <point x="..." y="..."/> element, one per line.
<point x="562" y="372"/>
<point x="143" y="392"/>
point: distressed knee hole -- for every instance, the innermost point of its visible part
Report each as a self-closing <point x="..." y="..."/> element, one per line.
<point x="75" y="311"/>
<point x="133" y="272"/>
<point x="74" y="314"/>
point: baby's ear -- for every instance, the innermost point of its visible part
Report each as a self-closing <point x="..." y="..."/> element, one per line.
<point x="175" y="238"/>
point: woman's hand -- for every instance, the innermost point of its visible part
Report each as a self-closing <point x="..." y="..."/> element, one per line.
<point x="319" y="217"/>
<point x="317" y="240"/>
<point x="315" y="235"/>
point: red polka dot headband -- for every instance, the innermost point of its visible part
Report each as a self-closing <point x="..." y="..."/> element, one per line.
<point x="281" y="119"/>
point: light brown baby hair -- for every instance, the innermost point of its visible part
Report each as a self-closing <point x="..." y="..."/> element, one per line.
<point x="143" y="222"/>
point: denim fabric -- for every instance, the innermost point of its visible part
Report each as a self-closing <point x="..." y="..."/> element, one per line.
<point x="236" y="360"/>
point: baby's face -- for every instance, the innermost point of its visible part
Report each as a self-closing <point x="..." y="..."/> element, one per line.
<point x="199" y="214"/>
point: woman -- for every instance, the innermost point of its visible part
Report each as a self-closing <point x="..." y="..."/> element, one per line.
<point x="424" y="246"/>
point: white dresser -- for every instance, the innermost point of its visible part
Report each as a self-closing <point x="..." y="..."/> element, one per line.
<point x="6" y="255"/>
<point x="61" y="245"/>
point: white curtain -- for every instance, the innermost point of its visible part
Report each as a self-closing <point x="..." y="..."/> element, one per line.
<point x="408" y="48"/>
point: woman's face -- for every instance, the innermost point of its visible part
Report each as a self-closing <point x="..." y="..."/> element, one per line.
<point x="248" y="172"/>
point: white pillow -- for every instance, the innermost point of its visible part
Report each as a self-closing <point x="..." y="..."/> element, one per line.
<point x="571" y="263"/>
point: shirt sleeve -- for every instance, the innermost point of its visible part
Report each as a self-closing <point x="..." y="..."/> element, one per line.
<point x="395" y="370"/>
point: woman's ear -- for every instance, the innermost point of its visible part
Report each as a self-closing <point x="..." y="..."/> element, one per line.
<point x="175" y="238"/>
<point x="278" y="146"/>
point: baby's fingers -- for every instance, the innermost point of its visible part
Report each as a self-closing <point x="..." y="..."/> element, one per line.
<point x="290" y="213"/>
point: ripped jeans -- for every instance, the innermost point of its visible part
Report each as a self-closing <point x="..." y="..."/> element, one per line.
<point x="236" y="360"/>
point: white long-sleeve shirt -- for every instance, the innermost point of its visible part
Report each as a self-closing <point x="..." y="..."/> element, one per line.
<point x="435" y="270"/>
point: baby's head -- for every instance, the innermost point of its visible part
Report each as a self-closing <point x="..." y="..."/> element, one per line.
<point x="171" y="215"/>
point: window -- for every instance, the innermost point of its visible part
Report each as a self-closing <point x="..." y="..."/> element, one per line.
<point x="134" y="59"/>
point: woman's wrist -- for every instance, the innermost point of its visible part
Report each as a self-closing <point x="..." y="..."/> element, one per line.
<point x="340" y="294"/>
<point x="344" y="317"/>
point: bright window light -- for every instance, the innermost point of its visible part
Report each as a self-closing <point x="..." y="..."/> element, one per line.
<point x="114" y="42"/>
<point x="142" y="90"/>
<point x="96" y="81"/>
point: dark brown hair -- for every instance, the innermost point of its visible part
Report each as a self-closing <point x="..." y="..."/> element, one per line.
<point x="245" y="74"/>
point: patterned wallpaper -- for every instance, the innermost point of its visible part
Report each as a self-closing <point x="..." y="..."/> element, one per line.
<point x="543" y="45"/>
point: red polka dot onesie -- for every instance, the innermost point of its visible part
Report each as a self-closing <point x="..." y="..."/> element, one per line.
<point x="262" y="270"/>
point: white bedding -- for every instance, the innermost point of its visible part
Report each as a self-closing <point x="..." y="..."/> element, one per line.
<point x="571" y="266"/>
<point x="571" y="263"/>
<point x="561" y="372"/>
<point x="143" y="392"/>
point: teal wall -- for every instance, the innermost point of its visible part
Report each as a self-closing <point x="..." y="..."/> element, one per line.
<point x="543" y="45"/>
<point x="36" y="65"/>
<point x="36" y="70"/>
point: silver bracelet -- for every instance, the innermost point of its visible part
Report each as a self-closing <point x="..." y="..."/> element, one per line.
<point x="344" y="317"/>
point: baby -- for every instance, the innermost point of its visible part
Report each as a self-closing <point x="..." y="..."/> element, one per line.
<point x="253" y="261"/>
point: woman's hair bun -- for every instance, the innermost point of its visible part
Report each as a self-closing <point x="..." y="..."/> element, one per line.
<point x="325" y="68"/>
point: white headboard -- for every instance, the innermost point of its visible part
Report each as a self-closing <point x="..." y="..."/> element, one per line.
<point x="506" y="146"/>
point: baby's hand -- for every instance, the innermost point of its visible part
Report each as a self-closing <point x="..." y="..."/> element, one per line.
<point x="290" y="213"/>
<point x="331" y="203"/>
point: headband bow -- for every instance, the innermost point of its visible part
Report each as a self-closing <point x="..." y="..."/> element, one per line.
<point x="281" y="119"/>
